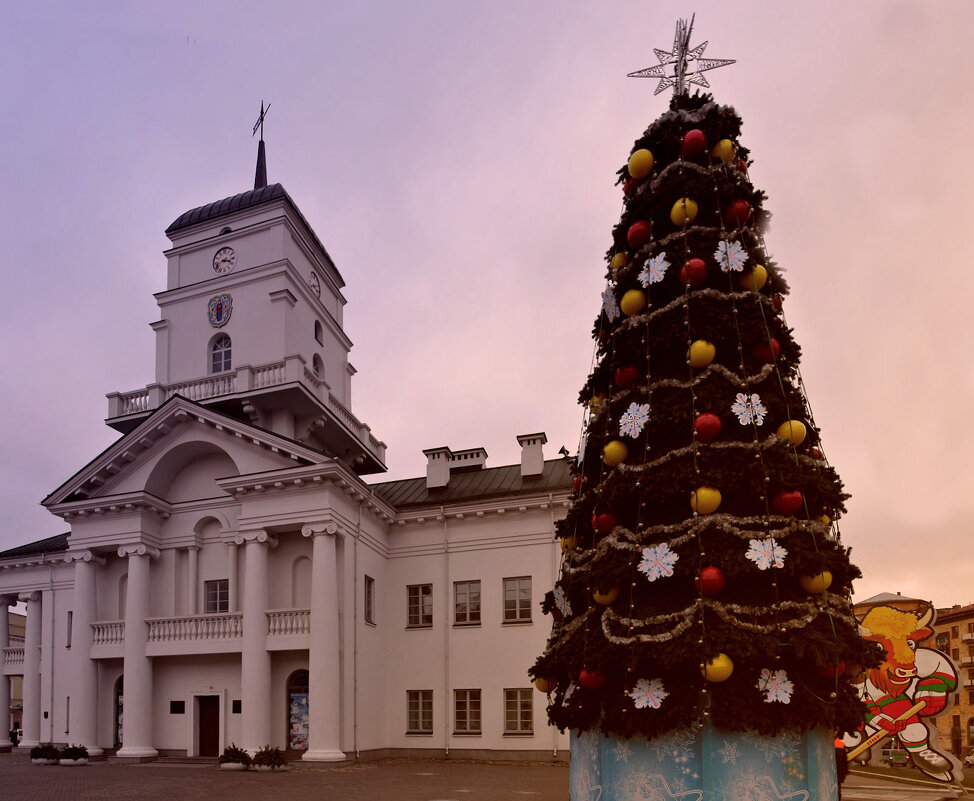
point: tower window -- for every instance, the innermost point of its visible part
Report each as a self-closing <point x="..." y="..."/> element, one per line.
<point x="316" y="366"/>
<point x="319" y="333"/>
<point x="220" y="354"/>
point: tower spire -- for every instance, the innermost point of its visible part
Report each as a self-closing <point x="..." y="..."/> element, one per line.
<point x="260" y="177"/>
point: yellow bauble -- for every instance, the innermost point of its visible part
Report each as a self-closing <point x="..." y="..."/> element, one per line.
<point x="684" y="210"/>
<point x="618" y="261"/>
<point x="568" y="543"/>
<point x="718" y="669"/>
<point x="754" y="280"/>
<point x="705" y="500"/>
<point x="633" y="302"/>
<point x="817" y="584"/>
<point x="640" y="164"/>
<point x="724" y="150"/>
<point x="701" y="353"/>
<point x="605" y="598"/>
<point x="792" y="432"/>
<point x="596" y="402"/>
<point x="544" y="685"/>
<point x="614" y="452"/>
<point x="825" y="519"/>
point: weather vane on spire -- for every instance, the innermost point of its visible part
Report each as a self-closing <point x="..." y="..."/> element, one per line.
<point x="674" y="66"/>
<point x="263" y="113"/>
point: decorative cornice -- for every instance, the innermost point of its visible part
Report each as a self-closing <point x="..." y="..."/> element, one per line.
<point x="113" y="505"/>
<point x="84" y="556"/>
<point x="259" y="536"/>
<point x="138" y="550"/>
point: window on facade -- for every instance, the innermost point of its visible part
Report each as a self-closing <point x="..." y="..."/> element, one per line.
<point x="955" y="653"/>
<point x="970" y="731"/>
<point x="369" y="599"/>
<point x="466" y="602"/>
<point x="316" y="366"/>
<point x="220" y="354"/>
<point x="419" y="604"/>
<point x="970" y="698"/>
<point x="517" y="599"/>
<point x="319" y="334"/>
<point x="518" y="711"/>
<point x="67" y="638"/>
<point x="296" y="714"/>
<point x="953" y="632"/>
<point x="216" y="596"/>
<point x="466" y="711"/>
<point x="419" y="711"/>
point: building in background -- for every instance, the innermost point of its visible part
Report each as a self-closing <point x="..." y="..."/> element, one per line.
<point x="955" y="636"/>
<point x="231" y="576"/>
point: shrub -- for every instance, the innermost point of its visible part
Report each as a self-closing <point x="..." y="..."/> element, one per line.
<point x="74" y="752"/>
<point x="45" y="751"/>
<point x="270" y="757"/>
<point x="234" y="753"/>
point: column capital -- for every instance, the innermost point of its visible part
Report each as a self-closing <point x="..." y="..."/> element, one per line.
<point x="259" y="536"/>
<point x="193" y="548"/>
<point x="138" y="550"/>
<point x="33" y="595"/>
<point x="328" y="527"/>
<point x="84" y="556"/>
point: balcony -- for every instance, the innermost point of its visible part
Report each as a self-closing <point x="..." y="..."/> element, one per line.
<point x="13" y="660"/>
<point x="968" y="683"/>
<point x="967" y="636"/>
<point x="128" y="409"/>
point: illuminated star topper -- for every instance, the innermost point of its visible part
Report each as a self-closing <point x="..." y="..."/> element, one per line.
<point x="674" y="66"/>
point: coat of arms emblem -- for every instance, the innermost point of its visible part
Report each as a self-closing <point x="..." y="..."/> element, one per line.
<point x="219" y="309"/>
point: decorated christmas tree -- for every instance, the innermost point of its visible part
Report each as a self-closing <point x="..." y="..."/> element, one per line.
<point x="703" y="585"/>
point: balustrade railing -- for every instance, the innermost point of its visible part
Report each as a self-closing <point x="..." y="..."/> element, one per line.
<point x="108" y="632"/>
<point x="13" y="656"/>
<point x="288" y="622"/>
<point x="223" y="626"/>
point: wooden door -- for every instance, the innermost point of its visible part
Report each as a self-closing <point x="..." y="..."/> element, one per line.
<point x="209" y="725"/>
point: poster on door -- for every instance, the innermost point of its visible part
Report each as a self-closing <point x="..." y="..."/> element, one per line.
<point x="298" y="716"/>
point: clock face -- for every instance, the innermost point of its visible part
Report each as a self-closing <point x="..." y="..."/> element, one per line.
<point x="224" y="260"/>
<point x="315" y="284"/>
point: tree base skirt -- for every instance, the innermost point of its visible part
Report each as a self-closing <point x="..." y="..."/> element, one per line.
<point x="704" y="765"/>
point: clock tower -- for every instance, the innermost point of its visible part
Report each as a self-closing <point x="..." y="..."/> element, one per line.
<point x="251" y="325"/>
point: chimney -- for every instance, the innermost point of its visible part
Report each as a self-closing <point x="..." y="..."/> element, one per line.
<point x="532" y="457"/>
<point x="437" y="467"/>
<point x="470" y="459"/>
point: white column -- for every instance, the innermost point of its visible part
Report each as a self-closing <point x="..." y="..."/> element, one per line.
<point x="32" y="671"/>
<point x="232" y="601"/>
<point x="192" y="581"/>
<point x="84" y="681"/>
<point x="137" y="670"/>
<point x="255" y="660"/>
<point x="5" y="744"/>
<point x="324" y="685"/>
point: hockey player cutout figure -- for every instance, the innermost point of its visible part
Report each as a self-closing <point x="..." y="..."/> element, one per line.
<point x="912" y="683"/>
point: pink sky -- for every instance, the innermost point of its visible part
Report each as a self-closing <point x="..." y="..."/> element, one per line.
<point x="457" y="159"/>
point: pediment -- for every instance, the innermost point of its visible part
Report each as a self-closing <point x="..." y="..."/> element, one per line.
<point x="180" y="436"/>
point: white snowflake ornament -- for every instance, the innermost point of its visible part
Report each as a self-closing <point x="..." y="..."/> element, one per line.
<point x="561" y="602"/>
<point x="658" y="562"/>
<point x="648" y="693"/>
<point x="765" y="553"/>
<point x="749" y="409"/>
<point x="731" y="256"/>
<point x="609" y="305"/>
<point x="633" y="419"/>
<point x="654" y="269"/>
<point x="775" y="686"/>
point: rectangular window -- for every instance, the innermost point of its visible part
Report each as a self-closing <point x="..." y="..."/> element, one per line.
<point x="955" y="654"/>
<point x="177" y="707"/>
<point x="466" y="711"/>
<point x="970" y="698"/>
<point x="466" y="603"/>
<point x="517" y="600"/>
<point x="419" y="605"/>
<point x="419" y="711"/>
<point x="369" y="599"/>
<point x="518" y="711"/>
<point x="216" y="596"/>
<point x="953" y="632"/>
<point x="67" y="637"/>
<point x="235" y="706"/>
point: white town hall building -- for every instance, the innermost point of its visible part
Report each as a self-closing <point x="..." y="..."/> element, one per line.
<point x="230" y="577"/>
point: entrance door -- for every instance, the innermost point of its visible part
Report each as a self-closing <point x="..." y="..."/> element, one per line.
<point x="209" y="722"/>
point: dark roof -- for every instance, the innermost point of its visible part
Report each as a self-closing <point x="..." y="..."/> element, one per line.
<point x="476" y="485"/>
<point x="59" y="542"/>
<point x="244" y="200"/>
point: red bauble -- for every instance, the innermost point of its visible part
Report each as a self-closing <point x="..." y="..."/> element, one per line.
<point x="787" y="502"/>
<point x="711" y="581"/>
<point x="767" y="353"/>
<point x="707" y="426"/>
<point x="591" y="679"/>
<point x="604" y="522"/>
<point x="694" y="144"/>
<point x="638" y="234"/>
<point x="629" y="186"/>
<point x="694" y="272"/>
<point x="576" y="484"/>
<point x="830" y="670"/>
<point x="816" y="453"/>
<point x="778" y="302"/>
<point x="738" y="212"/>
<point x="741" y="166"/>
<point x="626" y="376"/>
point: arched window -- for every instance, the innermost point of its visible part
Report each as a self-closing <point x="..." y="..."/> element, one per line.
<point x="317" y="367"/>
<point x="220" y="354"/>
<point x="297" y="710"/>
<point x="319" y="333"/>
